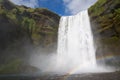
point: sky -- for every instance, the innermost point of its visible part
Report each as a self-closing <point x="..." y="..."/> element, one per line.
<point x="61" y="7"/>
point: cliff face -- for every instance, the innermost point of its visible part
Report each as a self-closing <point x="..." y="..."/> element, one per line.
<point x="105" y="21"/>
<point x="23" y="29"/>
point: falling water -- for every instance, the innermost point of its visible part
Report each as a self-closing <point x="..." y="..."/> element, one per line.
<point x="76" y="51"/>
<point x="75" y="43"/>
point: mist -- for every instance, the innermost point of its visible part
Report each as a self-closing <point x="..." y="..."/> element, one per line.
<point x="44" y="61"/>
<point x="75" y="54"/>
<point x="48" y="63"/>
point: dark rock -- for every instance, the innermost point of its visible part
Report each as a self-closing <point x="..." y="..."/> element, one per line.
<point x="24" y="29"/>
<point x="105" y="16"/>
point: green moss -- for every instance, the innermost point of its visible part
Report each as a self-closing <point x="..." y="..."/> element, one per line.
<point x="12" y="16"/>
<point x="97" y="9"/>
<point x="30" y="10"/>
<point x="100" y="7"/>
<point x="11" y="67"/>
<point x="1" y="1"/>
<point x="28" y="24"/>
<point x="117" y="16"/>
<point x="106" y="14"/>
<point x="23" y="26"/>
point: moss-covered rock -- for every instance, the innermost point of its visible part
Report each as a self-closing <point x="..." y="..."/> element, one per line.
<point x="39" y="25"/>
<point x="23" y="29"/>
<point x="16" y="66"/>
<point x="105" y="21"/>
<point x="104" y="17"/>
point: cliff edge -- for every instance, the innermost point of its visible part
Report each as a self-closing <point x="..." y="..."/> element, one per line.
<point x="23" y="30"/>
<point x="105" y="21"/>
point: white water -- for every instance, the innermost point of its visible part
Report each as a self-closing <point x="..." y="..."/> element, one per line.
<point x="76" y="52"/>
<point x="75" y="43"/>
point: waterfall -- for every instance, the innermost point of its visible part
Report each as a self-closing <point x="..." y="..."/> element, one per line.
<point x="76" y="51"/>
<point x="75" y="43"/>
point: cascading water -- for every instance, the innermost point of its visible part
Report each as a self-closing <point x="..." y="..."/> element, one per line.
<point x="76" y="52"/>
<point x="75" y="43"/>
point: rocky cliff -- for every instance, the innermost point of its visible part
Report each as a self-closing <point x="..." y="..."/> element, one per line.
<point x="105" y="21"/>
<point x="23" y="29"/>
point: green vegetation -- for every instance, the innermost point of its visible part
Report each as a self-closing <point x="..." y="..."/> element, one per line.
<point x="105" y="22"/>
<point x="105" y="15"/>
<point x="98" y="8"/>
<point x="116" y="20"/>
<point x="11" y="67"/>
<point x="32" y="21"/>
<point x="22" y="29"/>
<point x="28" y="25"/>
<point x="16" y="66"/>
<point x="1" y="1"/>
